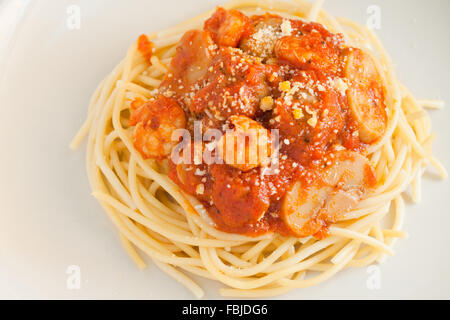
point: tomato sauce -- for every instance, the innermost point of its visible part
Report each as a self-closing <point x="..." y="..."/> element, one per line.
<point x="145" y="46"/>
<point x="287" y="75"/>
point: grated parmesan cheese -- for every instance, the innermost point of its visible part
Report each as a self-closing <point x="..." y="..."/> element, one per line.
<point x="266" y="103"/>
<point x="312" y="121"/>
<point x="286" y="28"/>
<point x="200" y="188"/>
<point x="340" y="85"/>
<point x="298" y="113"/>
<point x="285" y="86"/>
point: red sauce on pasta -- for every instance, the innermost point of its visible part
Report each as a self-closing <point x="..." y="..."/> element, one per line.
<point x="325" y="99"/>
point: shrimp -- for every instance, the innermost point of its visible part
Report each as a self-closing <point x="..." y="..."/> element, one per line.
<point x="309" y="51"/>
<point x="246" y="147"/>
<point x="227" y="27"/>
<point x="155" y="122"/>
<point x="339" y="188"/>
<point x="365" y="95"/>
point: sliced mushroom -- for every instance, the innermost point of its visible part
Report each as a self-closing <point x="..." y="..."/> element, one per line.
<point x="365" y="95"/>
<point x="194" y="55"/>
<point x="339" y="188"/>
<point x="302" y="205"/>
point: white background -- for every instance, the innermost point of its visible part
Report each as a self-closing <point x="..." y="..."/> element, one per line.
<point x="48" y="220"/>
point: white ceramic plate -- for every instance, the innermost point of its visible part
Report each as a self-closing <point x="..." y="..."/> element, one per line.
<point x="49" y="221"/>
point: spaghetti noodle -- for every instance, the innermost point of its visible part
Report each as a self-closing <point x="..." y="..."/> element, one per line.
<point x="153" y="214"/>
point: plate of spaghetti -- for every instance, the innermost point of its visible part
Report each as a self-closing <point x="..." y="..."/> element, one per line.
<point x="265" y="146"/>
<point x="260" y="145"/>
